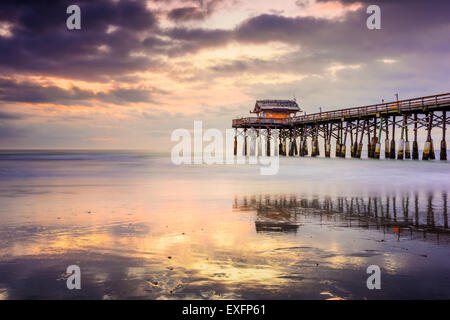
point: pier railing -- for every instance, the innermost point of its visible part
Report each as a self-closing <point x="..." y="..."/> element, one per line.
<point x="401" y="106"/>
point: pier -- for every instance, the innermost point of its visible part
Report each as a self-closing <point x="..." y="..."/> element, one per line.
<point x="291" y="135"/>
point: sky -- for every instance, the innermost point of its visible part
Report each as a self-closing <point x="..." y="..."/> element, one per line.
<point x="137" y="70"/>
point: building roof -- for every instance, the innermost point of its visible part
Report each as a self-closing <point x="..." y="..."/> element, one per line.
<point x="276" y="105"/>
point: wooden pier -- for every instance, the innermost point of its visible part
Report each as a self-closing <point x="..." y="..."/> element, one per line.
<point x="291" y="135"/>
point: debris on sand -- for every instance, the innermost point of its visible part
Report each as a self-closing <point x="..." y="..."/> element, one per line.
<point x="64" y="276"/>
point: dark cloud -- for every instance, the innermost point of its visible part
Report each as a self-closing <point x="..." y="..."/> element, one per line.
<point x="41" y="43"/>
<point x="28" y="92"/>
<point x="192" y="40"/>
<point x="203" y="10"/>
<point x="186" y="13"/>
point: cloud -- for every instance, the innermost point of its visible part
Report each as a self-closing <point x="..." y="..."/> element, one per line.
<point x="29" y="92"/>
<point x="203" y="10"/>
<point x="40" y="42"/>
<point x="10" y="116"/>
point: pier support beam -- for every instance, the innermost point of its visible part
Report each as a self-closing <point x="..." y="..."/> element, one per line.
<point x="268" y="143"/>
<point x="443" y="155"/>
<point x="392" y="151"/>
<point x="259" y="141"/>
<point x="245" y="142"/>
<point x="432" y="153"/>
<point x="360" y="145"/>
<point x="428" y="142"/>
<point x="352" y="149"/>
<point x="415" y="146"/>
<point x="386" y="141"/>
<point x="355" y="146"/>
<point x="328" y="131"/>
<point x="291" y="145"/>
<point x="374" y="140"/>
<point x="338" y="141"/>
<point x="300" y="149"/>
<point x="305" y="146"/>
<point x="407" y="148"/>
<point x="344" y="144"/>
<point x="401" y="143"/>
<point x="315" y="142"/>
<point x="294" y="144"/>
<point x="252" y="142"/>
<point x="378" y="144"/>
<point x="235" y="142"/>
<point x="369" y="146"/>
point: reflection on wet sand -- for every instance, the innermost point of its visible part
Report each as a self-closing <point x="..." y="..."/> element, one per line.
<point x="140" y="228"/>
<point x="303" y="247"/>
<point x="400" y="215"/>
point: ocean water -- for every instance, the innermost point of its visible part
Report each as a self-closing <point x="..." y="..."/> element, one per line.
<point x="140" y="227"/>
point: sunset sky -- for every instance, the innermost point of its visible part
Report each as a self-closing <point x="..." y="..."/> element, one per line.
<point x="137" y="70"/>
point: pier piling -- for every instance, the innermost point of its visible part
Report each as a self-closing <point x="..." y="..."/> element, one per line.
<point x="245" y="142"/>
<point x="401" y="143"/>
<point x="443" y="155"/>
<point x="235" y="143"/>
<point x="392" y="150"/>
<point x="428" y="143"/>
<point x="415" y="151"/>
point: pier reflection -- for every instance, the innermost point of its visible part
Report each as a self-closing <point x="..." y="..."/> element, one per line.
<point x="416" y="215"/>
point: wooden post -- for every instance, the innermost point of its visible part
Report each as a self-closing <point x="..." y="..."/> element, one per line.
<point x="401" y="143"/>
<point x="355" y="147"/>
<point x="295" y="143"/>
<point x="407" y="149"/>
<point x="386" y="141"/>
<point x="235" y="142"/>
<point x="360" y="146"/>
<point x="378" y="145"/>
<point x="415" y="148"/>
<point x="291" y="149"/>
<point x="352" y="149"/>
<point x="245" y="142"/>
<point x="443" y="155"/>
<point x="268" y="143"/>
<point x="317" y="141"/>
<point x="374" y="137"/>
<point x="369" y="147"/>
<point x="305" y="144"/>
<point x="280" y="145"/>
<point x="392" y="151"/>
<point x="338" y="141"/>
<point x="328" y="140"/>
<point x="427" y="147"/>
<point x="259" y="142"/>
<point x="343" y="148"/>
<point x="300" y="147"/>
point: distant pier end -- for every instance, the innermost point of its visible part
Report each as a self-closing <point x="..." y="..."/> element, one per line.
<point x="276" y="122"/>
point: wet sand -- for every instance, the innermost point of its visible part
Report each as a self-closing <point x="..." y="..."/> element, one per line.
<point x="142" y="228"/>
